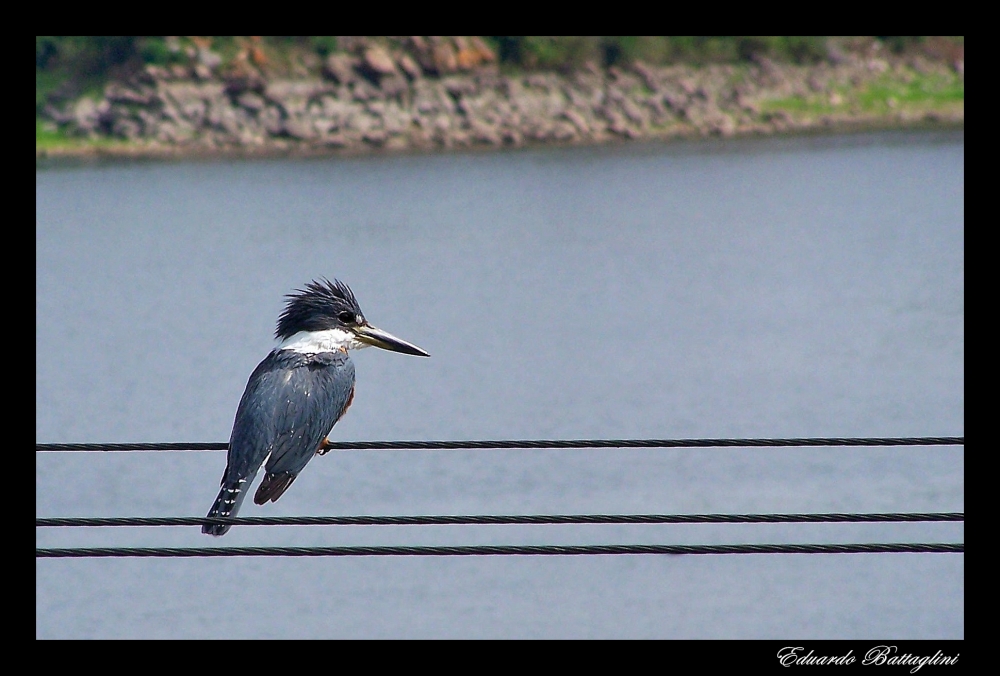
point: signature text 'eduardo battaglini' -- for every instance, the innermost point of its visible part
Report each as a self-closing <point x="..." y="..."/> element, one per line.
<point x="880" y="655"/>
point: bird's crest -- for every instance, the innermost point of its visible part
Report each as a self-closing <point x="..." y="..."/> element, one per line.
<point x="311" y="308"/>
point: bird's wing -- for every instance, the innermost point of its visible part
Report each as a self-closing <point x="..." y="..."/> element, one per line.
<point x="316" y="395"/>
<point x="290" y="404"/>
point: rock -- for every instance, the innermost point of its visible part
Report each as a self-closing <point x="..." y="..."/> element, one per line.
<point x="208" y="58"/>
<point x="466" y="59"/>
<point x="616" y="121"/>
<point x="423" y="53"/>
<point x="513" y="137"/>
<point x="648" y="75"/>
<point x="58" y="115"/>
<point x="563" y="131"/>
<point x="418" y="44"/>
<point x="394" y="85"/>
<point x="242" y="79"/>
<point x="190" y="103"/>
<point x="126" y="128"/>
<point x="149" y="121"/>
<point x="488" y="78"/>
<point x="409" y="66"/>
<point x="485" y="133"/>
<point x="779" y="120"/>
<point x="325" y="127"/>
<point x="116" y="92"/>
<point x="251" y="138"/>
<point x="472" y="53"/>
<point x="442" y="124"/>
<point x="745" y="103"/>
<point x="299" y="128"/>
<point x="373" y="97"/>
<point x="88" y="115"/>
<point x="360" y="122"/>
<point x="378" y="62"/>
<point x="459" y="138"/>
<point x="299" y="91"/>
<point x="362" y="90"/>
<point x="376" y="137"/>
<point x="836" y="55"/>
<point x="334" y="108"/>
<point x="577" y="120"/>
<point x="722" y="125"/>
<point x="395" y="119"/>
<point x="397" y="143"/>
<point x="172" y="132"/>
<point x="224" y="118"/>
<point x="634" y="113"/>
<point x="436" y="98"/>
<point x="687" y="85"/>
<point x="424" y="104"/>
<point x="443" y="58"/>
<point x="251" y="101"/>
<point x="341" y="67"/>
<point x="486" y="54"/>
<point x="334" y="141"/>
<point x="153" y="73"/>
<point x="539" y="81"/>
<point x="194" y="112"/>
<point x="461" y="85"/>
<point x="201" y="72"/>
<point x="271" y="120"/>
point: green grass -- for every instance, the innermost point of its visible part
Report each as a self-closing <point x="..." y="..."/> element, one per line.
<point x="932" y="89"/>
<point x="889" y="92"/>
<point x="48" y="140"/>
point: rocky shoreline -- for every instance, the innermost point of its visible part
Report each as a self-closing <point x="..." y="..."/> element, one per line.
<point x="378" y="102"/>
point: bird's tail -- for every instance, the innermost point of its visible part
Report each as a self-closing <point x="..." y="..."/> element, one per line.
<point x="227" y="504"/>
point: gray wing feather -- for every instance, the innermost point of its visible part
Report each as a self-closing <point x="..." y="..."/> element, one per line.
<point x="291" y="403"/>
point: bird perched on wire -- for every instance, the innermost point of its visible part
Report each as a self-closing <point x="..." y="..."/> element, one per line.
<point x="297" y="394"/>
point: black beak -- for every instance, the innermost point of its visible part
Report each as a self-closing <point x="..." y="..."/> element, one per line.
<point x="367" y="333"/>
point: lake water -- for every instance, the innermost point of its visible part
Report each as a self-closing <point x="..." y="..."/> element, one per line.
<point x="809" y="286"/>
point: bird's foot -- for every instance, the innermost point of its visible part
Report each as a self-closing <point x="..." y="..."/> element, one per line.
<point x="324" y="447"/>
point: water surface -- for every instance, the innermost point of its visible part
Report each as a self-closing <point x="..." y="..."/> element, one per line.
<point x="754" y="288"/>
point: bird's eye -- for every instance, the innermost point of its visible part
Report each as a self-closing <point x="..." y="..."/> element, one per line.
<point x="346" y="317"/>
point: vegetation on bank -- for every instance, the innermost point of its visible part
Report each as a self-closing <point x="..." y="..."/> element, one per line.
<point x="68" y="67"/>
<point x="914" y="92"/>
<point x="49" y="139"/>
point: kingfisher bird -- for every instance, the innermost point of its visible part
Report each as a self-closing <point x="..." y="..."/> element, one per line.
<point x="297" y="393"/>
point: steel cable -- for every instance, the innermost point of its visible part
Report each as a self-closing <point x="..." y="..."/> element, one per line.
<point x="528" y="443"/>
<point x="527" y="519"/>
<point x="488" y="550"/>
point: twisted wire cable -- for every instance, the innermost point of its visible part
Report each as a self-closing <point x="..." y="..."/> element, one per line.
<point x="489" y="550"/>
<point x="501" y="519"/>
<point x="536" y="443"/>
